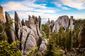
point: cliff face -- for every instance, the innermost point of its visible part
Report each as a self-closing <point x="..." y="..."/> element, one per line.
<point x="1" y="14"/>
<point x="63" y="21"/>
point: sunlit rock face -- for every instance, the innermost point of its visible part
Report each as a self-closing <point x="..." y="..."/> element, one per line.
<point x="28" y="39"/>
<point x="63" y="21"/>
<point x="1" y="15"/>
<point x="72" y="23"/>
<point x="43" y="46"/>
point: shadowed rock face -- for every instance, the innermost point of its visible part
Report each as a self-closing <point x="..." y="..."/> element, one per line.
<point x="9" y="29"/>
<point x="17" y="25"/>
<point x="23" y="23"/>
<point x="63" y="21"/>
<point x="82" y="37"/>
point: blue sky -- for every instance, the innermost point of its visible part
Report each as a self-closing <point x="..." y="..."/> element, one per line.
<point x="45" y="8"/>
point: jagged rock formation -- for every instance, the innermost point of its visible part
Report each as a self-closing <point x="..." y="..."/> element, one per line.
<point x="63" y="21"/>
<point x="1" y="14"/>
<point x="29" y="33"/>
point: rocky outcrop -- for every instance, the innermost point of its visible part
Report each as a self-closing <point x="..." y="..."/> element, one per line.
<point x="63" y="21"/>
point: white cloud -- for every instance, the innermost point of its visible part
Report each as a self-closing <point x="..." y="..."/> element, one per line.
<point x="12" y="6"/>
<point x="79" y="4"/>
<point x="26" y="8"/>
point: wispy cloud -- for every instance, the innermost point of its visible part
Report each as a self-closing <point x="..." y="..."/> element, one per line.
<point x="78" y="4"/>
<point x="61" y="6"/>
